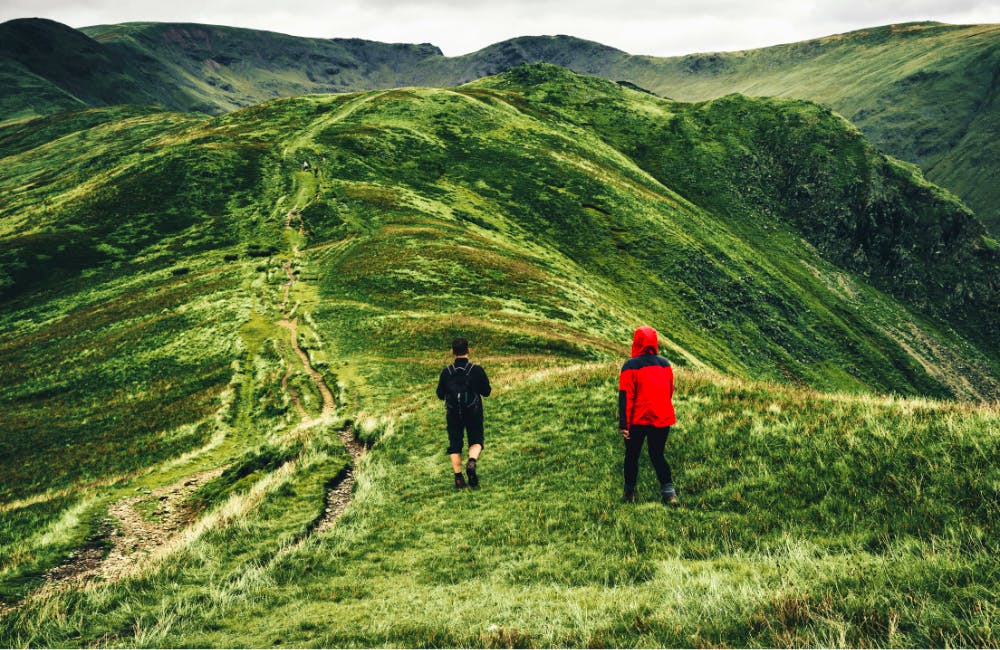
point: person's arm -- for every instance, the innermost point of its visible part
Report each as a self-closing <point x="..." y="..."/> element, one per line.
<point x="484" y="384"/>
<point x="442" y="390"/>
<point x="626" y="396"/>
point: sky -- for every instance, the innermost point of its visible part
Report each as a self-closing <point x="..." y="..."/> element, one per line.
<point x="653" y="27"/>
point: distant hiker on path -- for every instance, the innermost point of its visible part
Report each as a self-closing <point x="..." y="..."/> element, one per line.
<point x="462" y="386"/>
<point x="646" y="412"/>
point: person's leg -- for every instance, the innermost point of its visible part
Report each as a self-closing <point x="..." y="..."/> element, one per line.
<point x="657" y="441"/>
<point x="455" y="436"/>
<point x="633" y="447"/>
<point x="474" y="425"/>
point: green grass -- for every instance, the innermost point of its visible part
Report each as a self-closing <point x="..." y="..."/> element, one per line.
<point x="832" y="496"/>
<point x="807" y="520"/>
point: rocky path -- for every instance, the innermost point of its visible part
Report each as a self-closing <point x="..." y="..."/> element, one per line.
<point x="137" y="535"/>
<point x="338" y="495"/>
<point x="133" y="535"/>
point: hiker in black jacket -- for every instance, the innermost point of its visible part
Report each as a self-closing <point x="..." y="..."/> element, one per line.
<point x="462" y="386"/>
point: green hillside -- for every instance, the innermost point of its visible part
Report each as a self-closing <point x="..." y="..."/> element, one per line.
<point x="924" y="92"/>
<point x="543" y="215"/>
<point x="48" y="67"/>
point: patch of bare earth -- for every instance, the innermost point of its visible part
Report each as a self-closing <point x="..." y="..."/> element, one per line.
<point x="134" y="535"/>
<point x="338" y="496"/>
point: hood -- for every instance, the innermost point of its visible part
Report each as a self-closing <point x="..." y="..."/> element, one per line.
<point x="644" y="341"/>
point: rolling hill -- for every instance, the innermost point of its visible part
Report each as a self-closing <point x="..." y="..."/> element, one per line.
<point x="925" y="92"/>
<point x="178" y="289"/>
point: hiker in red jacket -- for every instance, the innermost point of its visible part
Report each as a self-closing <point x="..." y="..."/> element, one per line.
<point x="646" y="412"/>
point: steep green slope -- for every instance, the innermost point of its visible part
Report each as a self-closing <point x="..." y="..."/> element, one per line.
<point x="27" y="95"/>
<point x="51" y="67"/>
<point x="754" y="162"/>
<point x="517" y="211"/>
<point x="926" y="93"/>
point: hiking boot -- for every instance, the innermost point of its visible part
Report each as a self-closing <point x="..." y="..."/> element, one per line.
<point x="470" y="469"/>
<point x="671" y="500"/>
<point x="460" y="481"/>
<point x="628" y="497"/>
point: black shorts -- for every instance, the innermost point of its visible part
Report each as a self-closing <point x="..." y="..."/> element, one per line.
<point x="466" y="420"/>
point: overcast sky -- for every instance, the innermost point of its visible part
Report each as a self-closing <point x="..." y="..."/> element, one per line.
<point x="657" y="27"/>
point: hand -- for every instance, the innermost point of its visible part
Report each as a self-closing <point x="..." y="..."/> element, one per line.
<point x="625" y="433"/>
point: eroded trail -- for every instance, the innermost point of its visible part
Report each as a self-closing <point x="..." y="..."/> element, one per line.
<point x="338" y="495"/>
<point x="141" y="533"/>
<point x="329" y="404"/>
<point x="139" y="526"/>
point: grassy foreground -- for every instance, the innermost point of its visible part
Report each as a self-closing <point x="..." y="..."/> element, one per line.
<point x="807" y="519"/>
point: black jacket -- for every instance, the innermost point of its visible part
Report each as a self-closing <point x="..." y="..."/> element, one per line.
<point x="477" y="379"/>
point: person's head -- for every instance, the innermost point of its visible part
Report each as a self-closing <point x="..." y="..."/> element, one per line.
<point x="460" y="347"/>
<point x="644" y="341"/>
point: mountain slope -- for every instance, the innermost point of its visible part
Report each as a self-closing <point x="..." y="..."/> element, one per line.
<point x="521" y="212"/>
<point x="119" y="218"/>
<point x="753" y="162"/>
<point x="67" y="69"/>
<point x="924" y="92"/>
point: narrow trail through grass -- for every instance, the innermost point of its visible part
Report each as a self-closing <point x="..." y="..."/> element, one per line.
<point x="340" y="488"/>
<point x="147" y="525"/>
<point x="133" y="536"/>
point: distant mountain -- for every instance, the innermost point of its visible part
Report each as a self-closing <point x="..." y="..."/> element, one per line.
<point x="184" y="67"/>
<point x="926" y="92"/>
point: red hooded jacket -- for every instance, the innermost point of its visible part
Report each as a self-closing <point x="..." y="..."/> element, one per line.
<point x="646" y="385"/>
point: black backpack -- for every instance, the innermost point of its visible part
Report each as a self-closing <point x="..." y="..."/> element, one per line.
<point x="461" y="393"/>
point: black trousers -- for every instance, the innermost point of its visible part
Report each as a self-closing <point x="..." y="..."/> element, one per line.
<point x="657" y="440"/>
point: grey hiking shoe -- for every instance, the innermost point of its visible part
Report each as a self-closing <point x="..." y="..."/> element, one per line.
<point x="668" y="495"/>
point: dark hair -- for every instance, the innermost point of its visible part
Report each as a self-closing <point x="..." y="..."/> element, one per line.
<point x="460" y="346"/>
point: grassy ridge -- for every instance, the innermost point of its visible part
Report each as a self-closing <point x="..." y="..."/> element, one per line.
<point x="753" y="162"/>
<point x="507" y="212"/>
<point x="924" y="92"/>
